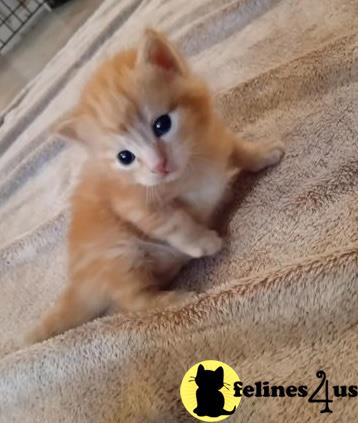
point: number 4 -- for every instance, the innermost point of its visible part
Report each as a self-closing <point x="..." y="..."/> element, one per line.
<point x="322" y="375"/>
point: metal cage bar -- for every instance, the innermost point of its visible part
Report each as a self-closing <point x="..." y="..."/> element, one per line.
<point x="14" y="15"/>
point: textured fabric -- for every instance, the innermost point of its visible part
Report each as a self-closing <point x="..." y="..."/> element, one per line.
<point x="278" y="303"/>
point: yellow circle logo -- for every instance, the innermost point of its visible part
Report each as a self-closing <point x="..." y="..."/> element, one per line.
<point x="207" y="391"/>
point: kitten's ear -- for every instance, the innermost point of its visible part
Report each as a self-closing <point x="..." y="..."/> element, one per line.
<point x="65" y="127"/>
<point x="200" y="369"/>
<point x="157" y="50"/>
<point x="220" y="372"/>
<point x="70" y="127"/>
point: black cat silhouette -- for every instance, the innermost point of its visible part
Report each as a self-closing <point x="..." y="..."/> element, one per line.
<point x="210" y="401"/>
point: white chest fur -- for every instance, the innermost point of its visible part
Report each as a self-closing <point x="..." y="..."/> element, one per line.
<point x="208" y="190"/>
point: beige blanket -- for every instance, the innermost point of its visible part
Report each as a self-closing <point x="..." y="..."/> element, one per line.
<point x="279" y="303"/>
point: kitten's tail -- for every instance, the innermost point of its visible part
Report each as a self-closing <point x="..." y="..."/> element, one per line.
<point x="228" y="413"/>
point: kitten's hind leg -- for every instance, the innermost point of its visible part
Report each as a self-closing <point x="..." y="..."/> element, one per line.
<point x="73" y="308"/>
<point x="138" y="292"/>
<point x="257" y="156"/>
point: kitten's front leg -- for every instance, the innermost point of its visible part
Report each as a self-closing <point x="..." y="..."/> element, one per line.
<point x="190" y="238"/>
<point x="176" y="227"/>
<point x="255" y="157"/>
<point x="180" y="230"/>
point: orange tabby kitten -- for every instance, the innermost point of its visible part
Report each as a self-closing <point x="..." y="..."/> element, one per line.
<point x="160" y="161"/>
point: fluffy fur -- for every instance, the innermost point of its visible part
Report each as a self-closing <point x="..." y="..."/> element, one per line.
<point x="133" y="227"/>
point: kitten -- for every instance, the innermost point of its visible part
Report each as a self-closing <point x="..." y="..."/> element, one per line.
<point x="210" y="401"/>
<point x="160" y="161"/>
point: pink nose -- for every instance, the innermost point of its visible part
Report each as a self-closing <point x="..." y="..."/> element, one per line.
<point x="161" y="167"/>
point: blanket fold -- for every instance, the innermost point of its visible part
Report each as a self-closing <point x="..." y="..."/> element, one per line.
<point x="279" y="303"/>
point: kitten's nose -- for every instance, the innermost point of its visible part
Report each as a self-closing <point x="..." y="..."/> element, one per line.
<point x="162" y="167"/>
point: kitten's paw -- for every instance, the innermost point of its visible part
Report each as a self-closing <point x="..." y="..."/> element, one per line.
<point x="272" y="154"/>
<point x="175" y="297"/>
<point x="209" y="243"/>
<point x="34" y="336"/>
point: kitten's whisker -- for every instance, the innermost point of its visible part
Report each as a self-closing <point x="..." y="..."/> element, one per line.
<point x="157" y="196"/>
<point x="154" y="194"/>
<point x="201" y="157"/>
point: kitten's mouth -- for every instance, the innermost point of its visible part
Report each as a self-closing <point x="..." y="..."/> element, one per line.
<point x="170" y="174"/>
<point x="169" y="177"/>
<point x="176" y="173"/>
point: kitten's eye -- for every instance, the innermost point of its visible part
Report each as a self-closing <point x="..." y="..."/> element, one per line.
<point x="126" y="157"/>
<point x="162" y="125"/>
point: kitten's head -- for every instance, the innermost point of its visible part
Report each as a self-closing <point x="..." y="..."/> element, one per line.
<point x="143" y="114"/>
<point x="210" y="379"/>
